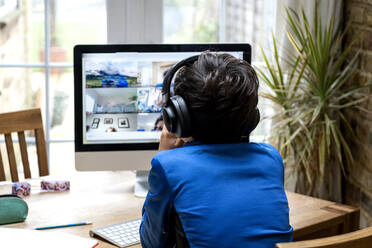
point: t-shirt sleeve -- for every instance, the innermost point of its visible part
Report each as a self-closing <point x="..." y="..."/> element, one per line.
<point x="154" y="229"/>
<point x="279" y="159"/>
<point x="275" y="155"/>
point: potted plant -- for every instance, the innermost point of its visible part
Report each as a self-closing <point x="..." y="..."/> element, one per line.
<point x="310" y="89"/>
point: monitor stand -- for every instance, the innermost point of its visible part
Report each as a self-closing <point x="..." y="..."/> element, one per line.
<point x="141" y="185"/>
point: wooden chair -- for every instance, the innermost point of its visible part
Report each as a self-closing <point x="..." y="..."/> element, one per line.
<point x="358" y="239"/>
<point x="19" y="122"/>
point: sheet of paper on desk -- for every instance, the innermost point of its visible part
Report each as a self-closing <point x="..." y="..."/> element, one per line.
<point x="23" y="238"/>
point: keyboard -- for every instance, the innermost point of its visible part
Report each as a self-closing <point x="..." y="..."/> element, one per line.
<point x="122" y="234"/>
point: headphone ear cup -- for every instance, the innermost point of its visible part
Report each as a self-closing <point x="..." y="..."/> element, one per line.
<point x="178" y="118"/>
<point x="183" y="116"/>
<point x="169" y="118"/>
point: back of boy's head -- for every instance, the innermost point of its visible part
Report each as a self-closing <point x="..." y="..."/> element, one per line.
<point x="220" y="92"/>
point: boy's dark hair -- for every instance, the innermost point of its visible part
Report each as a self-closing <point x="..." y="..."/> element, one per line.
<point x="221" y="93"/>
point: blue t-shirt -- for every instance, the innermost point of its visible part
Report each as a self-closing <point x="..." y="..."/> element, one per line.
<point x="226" y="195"/>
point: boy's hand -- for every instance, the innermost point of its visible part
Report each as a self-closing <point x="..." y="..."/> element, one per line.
<point x="169" y="141"/>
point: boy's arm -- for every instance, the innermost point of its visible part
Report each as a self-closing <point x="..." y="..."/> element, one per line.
<point x="154" y="229"/>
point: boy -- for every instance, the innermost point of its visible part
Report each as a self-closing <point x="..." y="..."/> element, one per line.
<point x="215" y="188"/>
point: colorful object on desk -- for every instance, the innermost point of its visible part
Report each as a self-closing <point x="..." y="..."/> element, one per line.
<point x="55" y="186"/>
<point x="66" y="225"/>
<point x="21" y="189"/>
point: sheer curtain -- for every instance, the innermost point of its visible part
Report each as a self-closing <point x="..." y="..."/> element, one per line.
<point x="328" y="9"/>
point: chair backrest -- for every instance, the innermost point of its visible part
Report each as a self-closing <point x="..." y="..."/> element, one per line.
<point x="19" y="122"/>
<point x="358" y="239"/>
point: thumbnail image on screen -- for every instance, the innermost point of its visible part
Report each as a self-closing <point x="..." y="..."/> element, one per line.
<point x="122" y="98"/>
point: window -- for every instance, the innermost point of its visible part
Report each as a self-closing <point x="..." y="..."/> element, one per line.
<point x="191" y="21"/>
<point x="37" y="39"/>
<point x="238" y="21"/>
<point x="36" y="53"/>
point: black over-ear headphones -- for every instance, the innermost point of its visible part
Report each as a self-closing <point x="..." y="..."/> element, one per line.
<point x="176" y="115"/>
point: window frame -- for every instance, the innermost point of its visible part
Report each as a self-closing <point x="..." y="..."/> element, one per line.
<point x="149" y="21"/>
<point x="47" y="65"/>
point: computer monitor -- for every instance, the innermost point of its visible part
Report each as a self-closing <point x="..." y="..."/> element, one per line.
<point x="118" y="100"/>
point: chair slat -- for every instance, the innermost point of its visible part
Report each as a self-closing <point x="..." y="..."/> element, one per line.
<point x="20" y="121"/>
<point x="41" y="152"/>
<point x="24" y="154"/>
<point x="2" y="171"/>
<point x="11" y="157"/>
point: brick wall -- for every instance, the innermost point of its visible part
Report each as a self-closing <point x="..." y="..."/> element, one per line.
<point x="358" y="188"/>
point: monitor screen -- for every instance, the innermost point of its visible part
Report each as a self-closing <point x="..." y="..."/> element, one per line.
<point x="118" y="101"/>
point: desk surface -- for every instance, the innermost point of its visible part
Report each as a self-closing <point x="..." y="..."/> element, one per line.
<point x="107" y="197"/>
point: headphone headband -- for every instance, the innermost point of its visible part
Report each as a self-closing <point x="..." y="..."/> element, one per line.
<point x="170" y="74"/>
<point x="176" y="116"/>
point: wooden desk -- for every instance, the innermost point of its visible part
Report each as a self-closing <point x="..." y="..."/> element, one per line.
<point x="315" y="218"/>
<point x="109" y="199"/>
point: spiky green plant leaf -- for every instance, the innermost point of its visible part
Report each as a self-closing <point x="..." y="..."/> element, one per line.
<point x="309" y="88"/>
